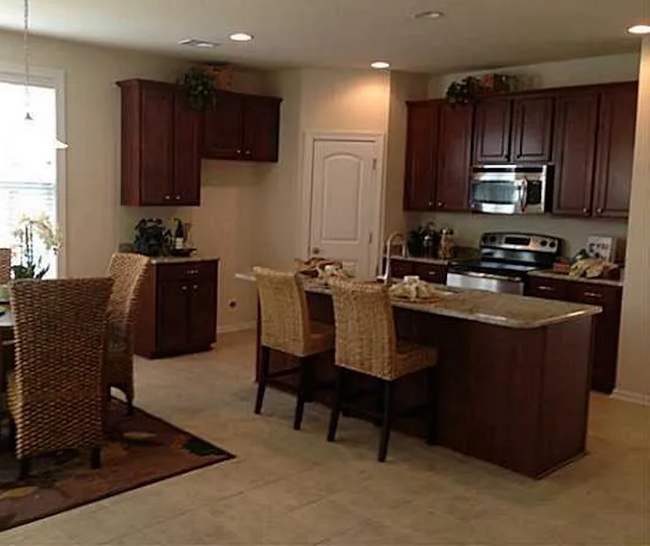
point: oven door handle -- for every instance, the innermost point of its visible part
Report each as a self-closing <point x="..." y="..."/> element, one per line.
<point x="524" y="194"/>
<point x="488" y="276"/>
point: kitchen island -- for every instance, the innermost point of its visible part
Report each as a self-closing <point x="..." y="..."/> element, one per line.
<point x="513" y="373"/>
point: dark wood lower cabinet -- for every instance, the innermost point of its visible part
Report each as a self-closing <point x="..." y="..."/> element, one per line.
<point x="606" y="325"/>
<point x="178" y="311"/>
<point x="427" y="271"/>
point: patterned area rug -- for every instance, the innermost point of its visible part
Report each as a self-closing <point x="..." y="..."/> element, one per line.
<point x="139" y="450"/>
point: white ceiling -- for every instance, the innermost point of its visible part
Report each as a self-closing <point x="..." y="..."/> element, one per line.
<point x="349" y="33"/>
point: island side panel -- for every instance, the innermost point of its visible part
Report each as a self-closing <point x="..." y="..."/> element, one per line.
<point x="565" y="395"/>
<point x="490" y="380"/>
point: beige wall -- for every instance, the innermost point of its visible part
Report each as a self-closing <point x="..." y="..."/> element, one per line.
<point x="588" y="71"/>
<point x="592" y="70"/>
<point x="315" y="100"/>
<point x="403" y="87"/>
<point x="95" y="220"/>
<point x="634" y="356"/>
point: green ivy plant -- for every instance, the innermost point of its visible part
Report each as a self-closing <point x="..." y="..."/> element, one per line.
<point x="200" y="88"/>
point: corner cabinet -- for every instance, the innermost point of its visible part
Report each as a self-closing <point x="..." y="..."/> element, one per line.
<point x="161" y="136"/>
<point x="454" y="157"/>
<point x="242" y="127"/>
<point x="178" y="310"/>
<point x="421" y="151"/>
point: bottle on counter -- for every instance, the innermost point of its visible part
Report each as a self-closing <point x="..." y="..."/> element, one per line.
<point x="447" y="248"/>
<point x="179" y="236"/>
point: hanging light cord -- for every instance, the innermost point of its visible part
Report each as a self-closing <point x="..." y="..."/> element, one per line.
<point x="28" y="115"/>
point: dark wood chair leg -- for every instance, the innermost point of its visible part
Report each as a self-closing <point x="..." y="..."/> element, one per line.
<point x="336" y="405"/>
<point x="265" y="360"/>
<point x="96" y="458"/>
<point x="25" y="467"/>
<point x="387" y="422"/>
<point x="432" y="406"/>
<point x="303" y="391"/>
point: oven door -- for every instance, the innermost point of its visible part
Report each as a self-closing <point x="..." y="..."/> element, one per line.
<point x="486" y="281"/>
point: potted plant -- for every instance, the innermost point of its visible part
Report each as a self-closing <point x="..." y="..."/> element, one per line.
<point x="200" y="87"/>
<point x="31" y="257"/>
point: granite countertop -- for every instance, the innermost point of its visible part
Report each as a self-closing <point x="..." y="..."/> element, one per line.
<point x="181" y="259"/>
<point x="506" y="310"/>
<point x="549" y="274"/>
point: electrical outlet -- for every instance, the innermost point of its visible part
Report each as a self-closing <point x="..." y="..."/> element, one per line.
<point x="232" y="304"/>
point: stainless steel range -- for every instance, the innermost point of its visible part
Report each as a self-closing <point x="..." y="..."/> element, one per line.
<point x="505" y="260"/>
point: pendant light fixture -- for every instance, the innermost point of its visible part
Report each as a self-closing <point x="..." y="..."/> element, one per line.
<point x="29" y="120"/>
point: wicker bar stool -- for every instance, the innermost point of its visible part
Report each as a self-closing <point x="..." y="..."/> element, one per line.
<point x="286" y="327"/>
<point x="55" y="390"/>
<point x="127" y="271"/>
<point x="366" y="343"/>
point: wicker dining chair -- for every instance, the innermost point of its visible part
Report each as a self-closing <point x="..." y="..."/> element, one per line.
<point x="5" y="265"/>
<point x="128" y="272"/>
<point x="54" y="391"/>
<point x="286" y="327"/>
<point x="366" y="343"/>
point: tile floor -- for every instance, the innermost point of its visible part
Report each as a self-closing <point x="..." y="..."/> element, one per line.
<point x="288" y="487"/>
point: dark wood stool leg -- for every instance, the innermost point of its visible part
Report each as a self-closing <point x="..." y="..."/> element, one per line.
<point x="265" y="359"/>
<point x="432" y="403"/>
<point x="25" y="467"/>
<point x="96" y="458"/>
<point x="336" y="404"/>
<point x="303" y="391"/>
<point x="387" y="422"/>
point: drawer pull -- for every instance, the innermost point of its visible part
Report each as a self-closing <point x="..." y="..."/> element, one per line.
<point x="594" y="295"/>
<point x="192" y="271"/>
<point x="544" y="288"/>
<point x="433" y="274"/>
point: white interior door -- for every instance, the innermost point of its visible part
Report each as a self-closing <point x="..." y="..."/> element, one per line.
<point x="345" y="203"/>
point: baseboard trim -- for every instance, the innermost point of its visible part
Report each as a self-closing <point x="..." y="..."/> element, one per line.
<point x="231" y="328"/>
<point x="633" y="397"/>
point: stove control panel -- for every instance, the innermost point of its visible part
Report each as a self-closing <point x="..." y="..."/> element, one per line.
<point x="526" y="242"/>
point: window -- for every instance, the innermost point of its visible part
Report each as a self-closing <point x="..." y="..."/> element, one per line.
<point x="28" y="160"/>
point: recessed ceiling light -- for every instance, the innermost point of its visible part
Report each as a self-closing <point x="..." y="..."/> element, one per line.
<point x="429" y="15"/>
<point x="380" y="65"/>
<point x="639" y="29"/>
<point x="240" y="37"/>
<point x="200" y="44"/>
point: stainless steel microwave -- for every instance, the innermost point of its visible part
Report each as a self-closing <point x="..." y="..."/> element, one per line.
<point x="510" y="189"/>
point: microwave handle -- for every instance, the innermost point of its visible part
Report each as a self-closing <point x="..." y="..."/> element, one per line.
<point x="524" y="194"/>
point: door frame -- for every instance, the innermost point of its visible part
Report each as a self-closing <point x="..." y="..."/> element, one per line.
<point x="309" y="142"/>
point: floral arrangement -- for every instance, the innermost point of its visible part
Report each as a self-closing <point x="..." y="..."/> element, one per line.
<point x="203" y="81"/>
<point x="31" y="264"/>
<point x="470" y="88"/>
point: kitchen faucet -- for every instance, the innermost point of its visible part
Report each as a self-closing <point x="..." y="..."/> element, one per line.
<point x="385" y="278"/>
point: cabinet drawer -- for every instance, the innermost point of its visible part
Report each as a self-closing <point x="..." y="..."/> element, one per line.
<point x="595" y="294"/>
<point x="431" y="272"/>
<point x="551" y="289"/>
<point x="187" y="271"/>
<point x="401" y="268"/>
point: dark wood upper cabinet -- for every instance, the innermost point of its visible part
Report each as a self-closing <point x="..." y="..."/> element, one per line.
<point x="454" y="157"/>
<point x="492" y="131"/>
<point x="532" y="130"/>
<point x="421" y="155"/>
<point x="575" y="152"/>
<point x="615" y="151"/>
<point x="160" y="145"/>
<point x="242" y="127"/>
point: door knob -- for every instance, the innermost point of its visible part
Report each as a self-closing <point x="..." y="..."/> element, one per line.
<point x="315" y="251"/>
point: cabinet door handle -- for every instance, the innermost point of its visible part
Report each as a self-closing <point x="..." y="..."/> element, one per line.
<point x="248" y="152"/>
<point x="167" y="197"/>
<point x="546" y="288"/>
<point x="441" y="205"/>
<point x="599" y="211"/>
<point x="594" y="295"/>
<point x="585" y="212"/>
<point x="192" y="271"/>
<point x="178" y="198"/>
<point x="195" y="287"/>
<point x="184" y="288"/>
<point x="238" y="152"/>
